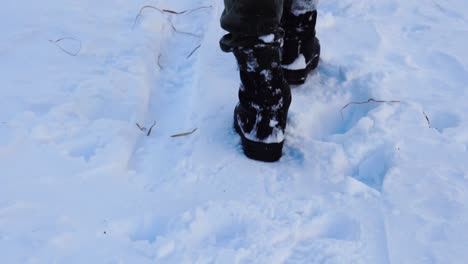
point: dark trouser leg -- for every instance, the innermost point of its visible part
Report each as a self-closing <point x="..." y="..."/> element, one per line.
<point x="251" y="17"/>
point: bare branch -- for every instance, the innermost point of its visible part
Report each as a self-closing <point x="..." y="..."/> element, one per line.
<point x="141" y="10"/>
<point x="186" y="11"/>
<point x="167" y="11"/>
<point x="159" y="62"/>
<point x="193" y="51"/>
<point x="57" y="43"/>
<point x="185" y="134"/>
<point x="371" y="100"/>
<point x="183" y="32"/>
<point x="142" y="129"/>
<point x="427" y="119"/>
<point x="151" y="129"/>
<point x="172" y="12"/>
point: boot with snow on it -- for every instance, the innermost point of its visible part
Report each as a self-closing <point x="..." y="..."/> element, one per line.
<point x="264" y="95"/>
<point x="301" y="49"/>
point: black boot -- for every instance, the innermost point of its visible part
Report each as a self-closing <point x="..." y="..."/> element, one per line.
<point x="264" y="95"/>
<point x="301" y="49"/>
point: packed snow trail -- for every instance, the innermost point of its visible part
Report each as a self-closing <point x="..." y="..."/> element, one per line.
<point x="359" y="182"/>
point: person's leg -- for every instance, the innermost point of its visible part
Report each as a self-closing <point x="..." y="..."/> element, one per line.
<point x="264" y="96"/>
<point x="251" y="17"/>
<point x="301" y="49"/>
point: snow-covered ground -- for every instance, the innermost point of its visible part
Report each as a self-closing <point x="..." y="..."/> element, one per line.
<point x="360" y="183"/>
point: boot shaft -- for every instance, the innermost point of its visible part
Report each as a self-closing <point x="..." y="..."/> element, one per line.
<point x="299" y="23"/>
<point x="259" y="63"/>
<point x="264" y="94"/>
<point x="299" y="36"/>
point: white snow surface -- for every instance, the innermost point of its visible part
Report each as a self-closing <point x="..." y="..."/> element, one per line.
<point x="367" y="183"/>
<point x="298" y="64"/>
<point x="267" y="38"/>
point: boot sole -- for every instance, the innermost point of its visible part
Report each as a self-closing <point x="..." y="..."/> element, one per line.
<point x="267" y="152"/>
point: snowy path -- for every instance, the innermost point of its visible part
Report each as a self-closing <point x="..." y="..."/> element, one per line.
<point x="370" y="183"/>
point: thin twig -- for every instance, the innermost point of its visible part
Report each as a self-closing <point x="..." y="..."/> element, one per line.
<point x="141" y="10"/>
<point x="151" y="129"/>
<point x="57" y="43"/>
<point x="171" y="12"/>
<point x="168" y="11"/>
<point x="198" y="8"/>
<point x="186" y="11"/>
<point x="159" y="62"/>
<point x="371" y="100"/>
<point x="142" y="129"/>
<point x="183" y="32"/>
<point x="185" y="134"/>
<point x="193" y="51"/>
<point x="428" y="120"/>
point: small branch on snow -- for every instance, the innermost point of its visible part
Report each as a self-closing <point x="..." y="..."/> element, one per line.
<point x="183" y="32"/>
<point x="186" y="11"/>
<point x="368" y="101"/>
<point x="427" y="119"/>
<point x="185" y="134"/>
<point x="159" y="62"/>
<point x="141" y="10"/>
<point x="168" y="11"/>
<point x="371" y="100"/>
<point x="151" y="129"/>
<point x="57" y="43"/>
<point x="193" y="51"/>
<point x="144" y="129"/>
<point x="162" y="11"/>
